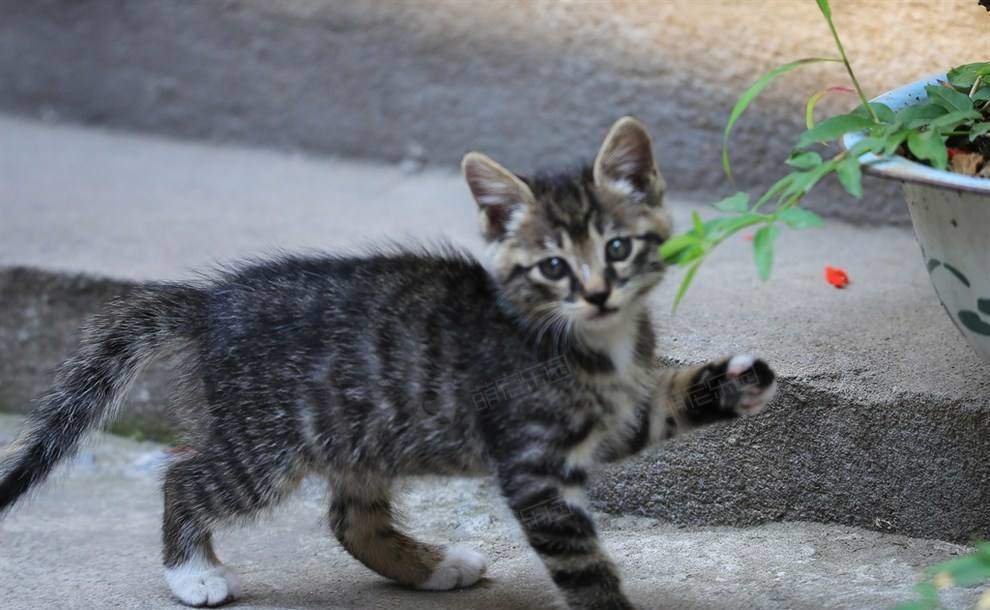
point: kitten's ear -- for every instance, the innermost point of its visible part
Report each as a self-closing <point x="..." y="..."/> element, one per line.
<point x="625" y="162"/>
<point x="500" y="194"/>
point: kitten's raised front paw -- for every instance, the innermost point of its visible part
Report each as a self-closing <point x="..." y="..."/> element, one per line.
<point x="750" y="385"/>
<point x="460" y="567"/>
<point x="199" y="583"/>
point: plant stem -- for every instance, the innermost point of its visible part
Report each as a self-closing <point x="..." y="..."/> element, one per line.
<point x="976" y="83"/>
<point x="845" y="61"/>
<point x="764" y="218"/>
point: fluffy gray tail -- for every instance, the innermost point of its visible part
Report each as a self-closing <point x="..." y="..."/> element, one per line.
<point x="89" y="387"/>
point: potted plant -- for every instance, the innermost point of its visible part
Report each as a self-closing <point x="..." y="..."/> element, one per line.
<point x="950" y="210"/>
<point x="932" y="135"/>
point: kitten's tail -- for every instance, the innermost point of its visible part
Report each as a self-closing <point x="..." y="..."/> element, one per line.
<point x="89" y="387"/>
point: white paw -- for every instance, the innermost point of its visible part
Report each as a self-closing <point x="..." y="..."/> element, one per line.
<point x="740" y="363"/>
<point x="200" y="583"/>
<point x="460" y="567"/>
<point x="755" y="399"/>
<point x="752" y="375"/>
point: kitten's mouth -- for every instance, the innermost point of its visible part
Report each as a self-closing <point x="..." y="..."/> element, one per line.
<point x="604" y="312"/>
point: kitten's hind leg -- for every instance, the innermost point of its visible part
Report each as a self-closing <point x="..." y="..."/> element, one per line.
<point x="362" y="519"/>
<point x="202" y="490"/>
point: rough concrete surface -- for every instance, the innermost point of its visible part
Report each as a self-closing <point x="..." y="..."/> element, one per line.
<point x="883" y="414"/>
<point x="90" y="540"/>
<point x="533" y="82"/>
<point x="42" y="315"/>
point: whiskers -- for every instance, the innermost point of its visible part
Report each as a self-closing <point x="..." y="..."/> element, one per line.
<point x="552" y="324"/>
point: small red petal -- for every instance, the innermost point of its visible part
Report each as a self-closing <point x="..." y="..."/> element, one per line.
<point x="748" y="237"/>
<point x="840" y="89"/>
<point x="954" y="151"/>
<point x="836" y="276"/>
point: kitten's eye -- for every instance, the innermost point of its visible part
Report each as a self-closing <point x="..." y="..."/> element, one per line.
<point x="618" y="249"/>
<point x="553" y="268"/>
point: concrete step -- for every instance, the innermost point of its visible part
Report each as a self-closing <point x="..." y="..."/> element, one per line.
<point x="883" y="415"/>
<point x="91" y="540"/>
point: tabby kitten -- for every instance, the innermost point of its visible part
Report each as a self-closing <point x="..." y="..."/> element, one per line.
<point x="366" y="369"/>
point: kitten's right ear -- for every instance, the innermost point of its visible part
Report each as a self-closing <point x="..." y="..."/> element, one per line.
<point x="501" y="196"/>
<point x="625" y="162"/>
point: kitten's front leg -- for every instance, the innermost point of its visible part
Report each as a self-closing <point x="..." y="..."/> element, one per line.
<point x="723" y="389"/>
<point x="546" y="497"/>
<point x="684" y="399"/>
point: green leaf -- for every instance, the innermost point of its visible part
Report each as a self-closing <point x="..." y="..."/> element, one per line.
<point x="952" y="119"/>
<point x="928" y="146"/>
<point x="715" y="225"/>
<point x="723" y="227"/>
<point x="778" y="186"/>
<point x="750" y="94"/>
<point x="692" y="254"/>
<point x="982" y="94"/>
<point x="825" y="8"/>
<point x="734" y="203"/>
<point x="894" y="141"/>
<point x="921" y="112"/>
<point x="965" y="571"/>
<point x="850" y="176"/>
<point x="947" y="98"/>
<point x="888" y="130"/>
<point x="763" y="250"/>
<point x="673" y="247"/>
<point x="927" y="591"/>
<point x="800" y="218"/>
<point x="978" y="130"/>
<point x="699" y="227"/>
<point x="918" y="124"/>
<point x="883" y="112"/>
<point x="809" y="108"/>
<point x="871" y="144"/>
<point x="685" y="283"/>
<point x="831" y="129"/>
<point x="802" y="182"/>
<point x="965" y="75"/>
<point x="805" y="160"/>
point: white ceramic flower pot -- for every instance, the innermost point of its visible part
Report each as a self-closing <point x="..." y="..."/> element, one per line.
<point x="951" y="217"/>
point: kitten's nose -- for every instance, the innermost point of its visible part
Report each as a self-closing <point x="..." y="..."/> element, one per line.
<point x="598" y="298"/>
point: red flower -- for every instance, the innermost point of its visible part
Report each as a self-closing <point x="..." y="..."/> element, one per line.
<point x="836" y="276"/>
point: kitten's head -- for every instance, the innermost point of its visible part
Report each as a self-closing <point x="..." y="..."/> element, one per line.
<point x="579" y="249"/>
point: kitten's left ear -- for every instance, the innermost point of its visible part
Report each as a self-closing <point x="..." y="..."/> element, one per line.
<point x="625" y="162"/>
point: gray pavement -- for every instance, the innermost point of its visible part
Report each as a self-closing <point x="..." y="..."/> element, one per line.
<point x="883" y="415"/>
<point x="527" y="80"/>
<point x="89" y="540"/>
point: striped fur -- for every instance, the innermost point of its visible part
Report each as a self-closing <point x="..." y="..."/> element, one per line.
<point x="368" y="369"/>
<point x="362" y="519"/>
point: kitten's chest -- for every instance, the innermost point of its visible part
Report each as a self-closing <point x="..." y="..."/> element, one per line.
<point x="616" y="400"/>
<point x="614" y="406"/>
<point x="615" y="403"/>
<point x="620" y="390"/>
